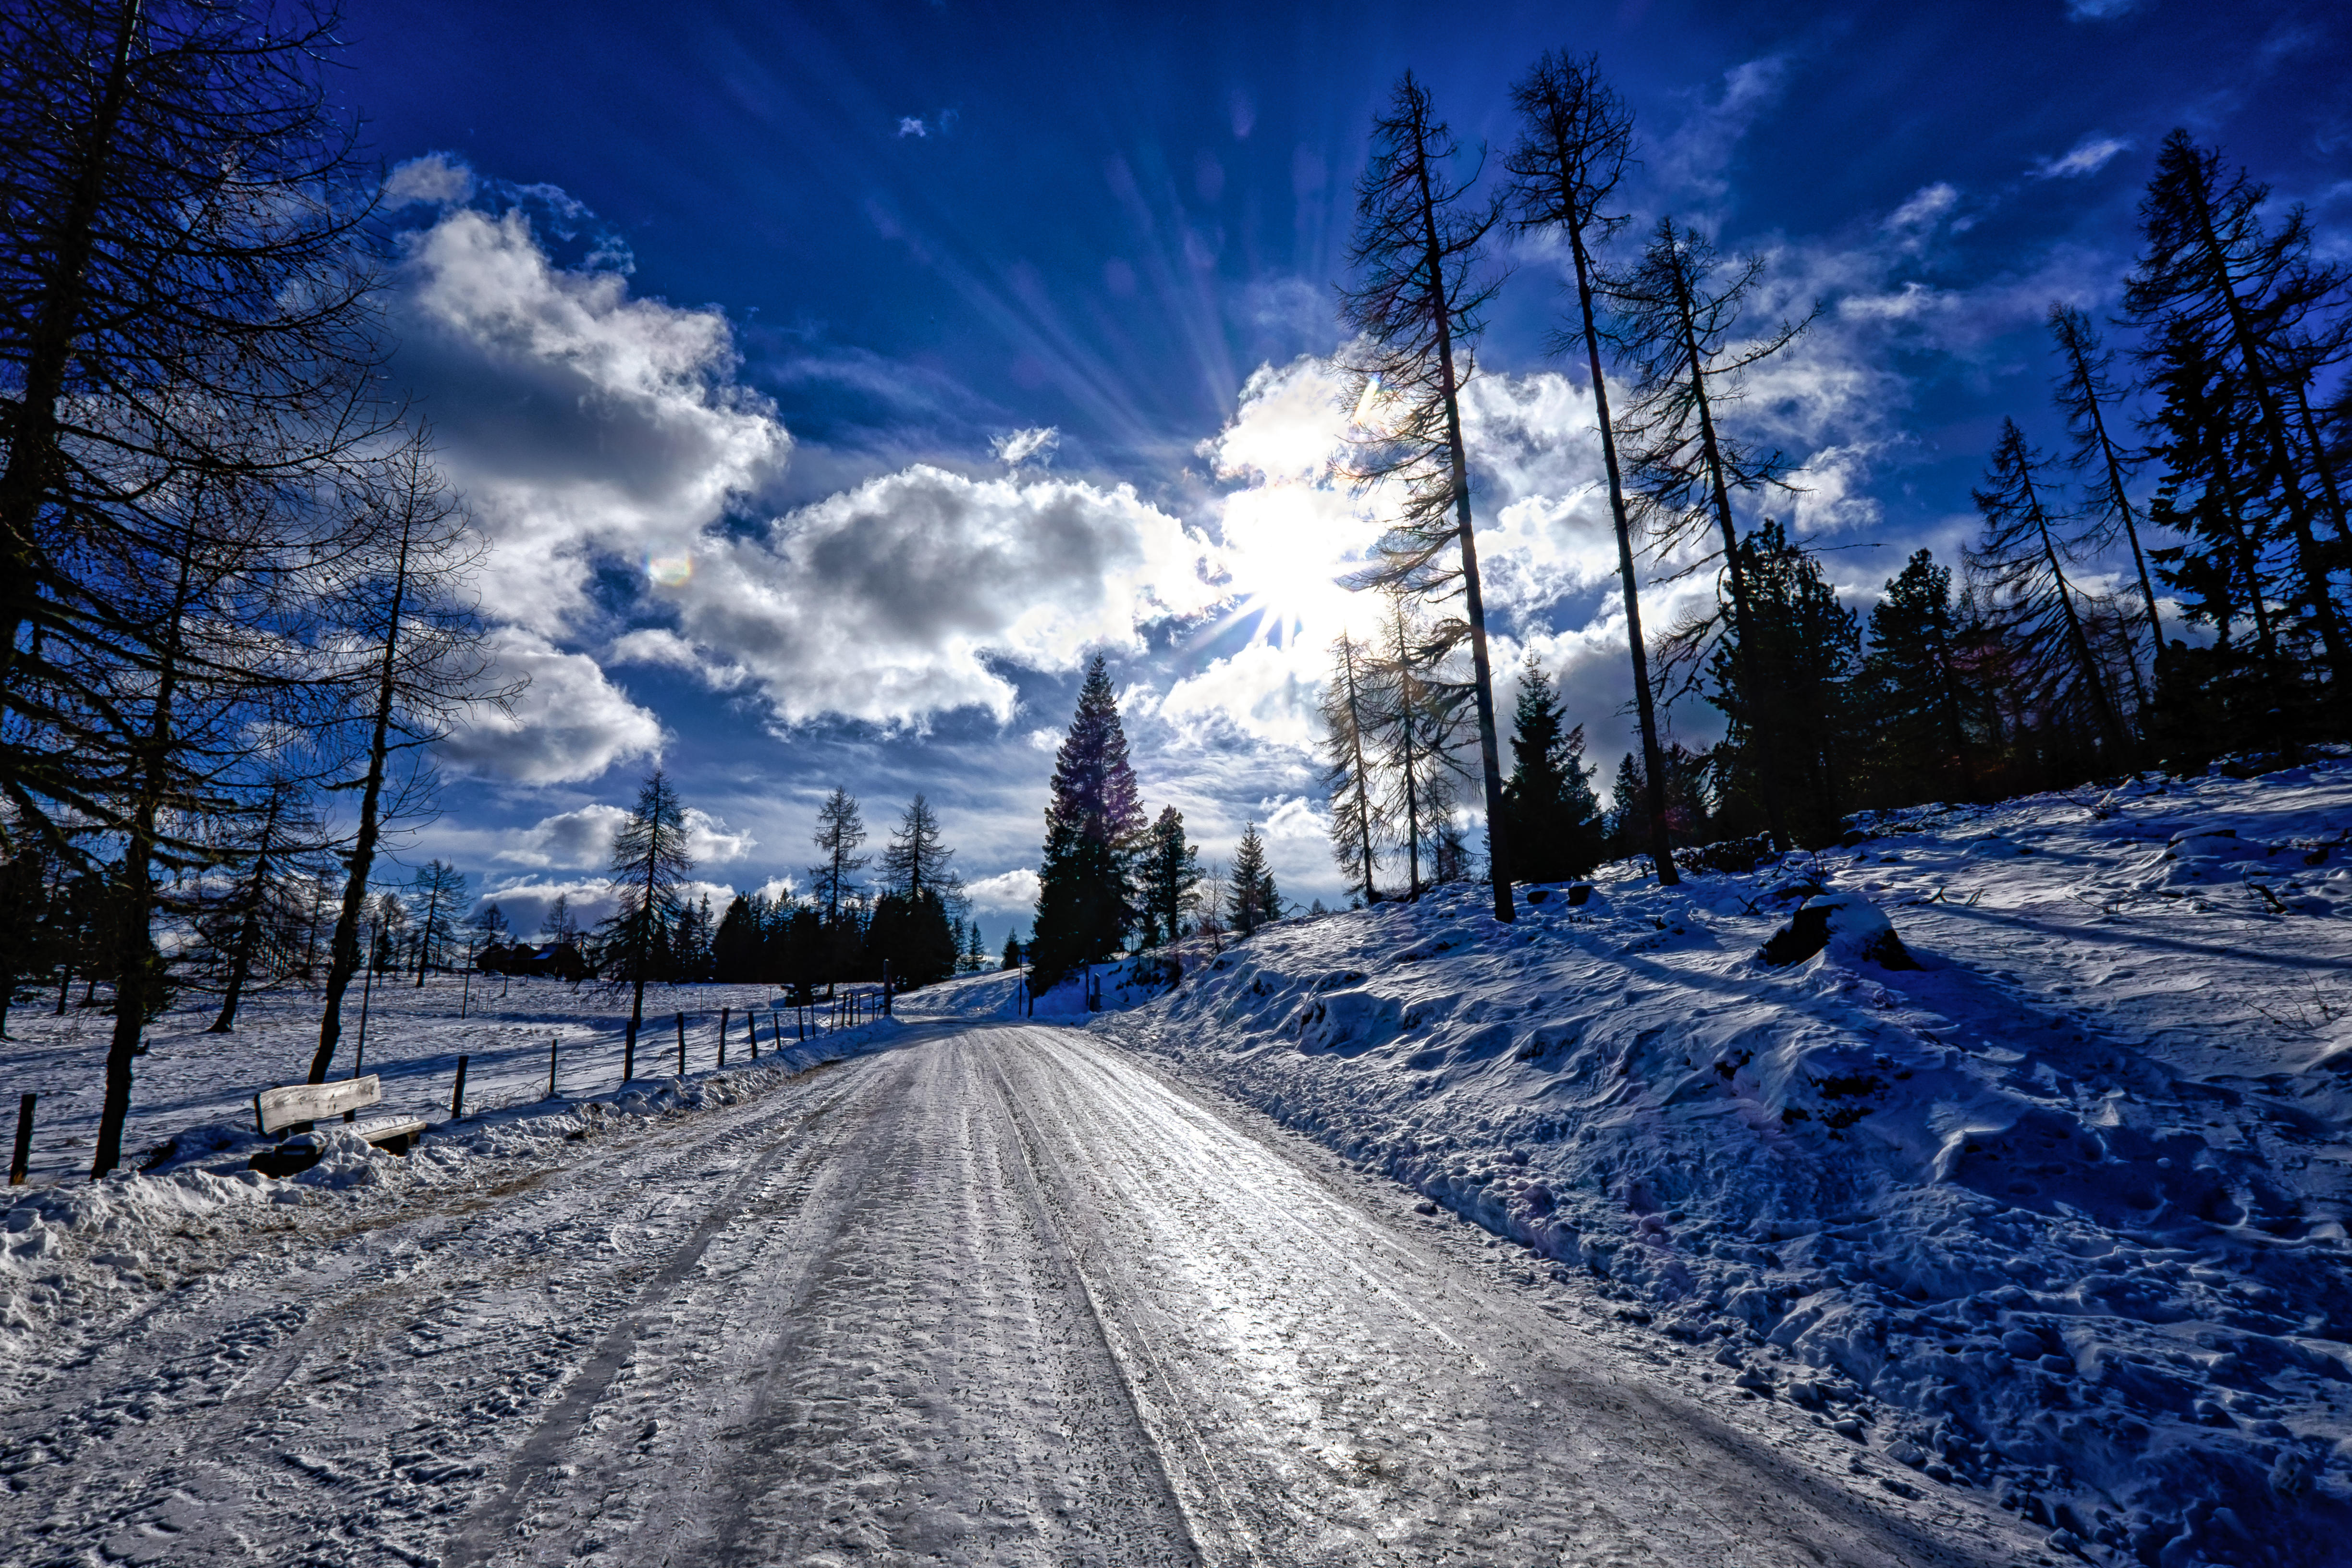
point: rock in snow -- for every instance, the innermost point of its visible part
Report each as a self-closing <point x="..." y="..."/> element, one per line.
<point x="1848" y="924"/>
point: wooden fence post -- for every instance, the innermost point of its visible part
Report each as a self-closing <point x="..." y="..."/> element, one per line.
<point x="457" y="1095"/>
<point x="752" y="1028"/>
<point x="550" y="1067"/>
<point x="24" y="1153"/>
<point x="722" y="1036"/>
<point x="681" y="1045"/>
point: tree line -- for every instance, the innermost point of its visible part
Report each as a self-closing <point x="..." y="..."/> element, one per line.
<point x="233" y="581"/>
<point x="2200" y="468"/>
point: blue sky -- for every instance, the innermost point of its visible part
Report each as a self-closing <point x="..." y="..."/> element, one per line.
<point x="745" y="327"/>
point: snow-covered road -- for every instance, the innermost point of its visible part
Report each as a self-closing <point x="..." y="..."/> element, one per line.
<point x="996" y="1295"/>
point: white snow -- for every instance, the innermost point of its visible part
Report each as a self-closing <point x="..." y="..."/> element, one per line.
<point x="2071" y="1197"/>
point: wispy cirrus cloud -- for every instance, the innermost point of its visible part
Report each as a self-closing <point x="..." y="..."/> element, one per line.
<point x="2088" y="156"/>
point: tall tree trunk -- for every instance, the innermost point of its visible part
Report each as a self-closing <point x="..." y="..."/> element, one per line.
<point x="343" y="954"/>
<point x="2113" y="462"/>
<point x="2110" y="729"/>
<point x="134" y="892"/>
<point x="1363" y="787"/>
<point x="1654" y="766"/>
<point x="1490" y="756"/>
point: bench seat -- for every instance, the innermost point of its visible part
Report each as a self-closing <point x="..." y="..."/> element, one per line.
<point x="393" y="1134"/>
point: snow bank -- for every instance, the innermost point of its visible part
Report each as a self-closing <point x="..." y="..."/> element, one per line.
<point x="2069" y="1197"/>
<point x="82" y="1253"/>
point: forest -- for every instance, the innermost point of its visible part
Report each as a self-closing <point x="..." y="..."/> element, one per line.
<point x="2159" y="583"/>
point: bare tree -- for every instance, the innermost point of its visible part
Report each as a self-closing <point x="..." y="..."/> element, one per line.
<point x="917" y="857"/>
<point x="1575" y="141"/>
<point x="2085" y="391"/>
<point x="414" y="657"/>
<point x="1675" y="311"/>
<point x="649" y="861"/>
<point x="1348" y="750"/>
<point x="435" y="893"/>
<point x="840" y="829"/>
<point x="1417" y="302"/>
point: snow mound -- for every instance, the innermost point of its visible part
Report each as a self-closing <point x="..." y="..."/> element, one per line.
<point x="2069" y="1196"/>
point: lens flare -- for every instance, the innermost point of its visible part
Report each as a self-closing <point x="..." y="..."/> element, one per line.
<point x="669" y="571"/>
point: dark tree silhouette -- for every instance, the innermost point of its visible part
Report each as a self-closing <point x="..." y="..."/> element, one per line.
<point x="1085" y="903"/>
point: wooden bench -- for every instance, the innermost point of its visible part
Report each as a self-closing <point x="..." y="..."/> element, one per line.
<point x="291" y="1110"/>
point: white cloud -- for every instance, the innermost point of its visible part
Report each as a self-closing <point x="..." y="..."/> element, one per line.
<point x="579" y="422"/>
<point x="655" y="645"/>
<point x="436" y="178"/>
<point x="1021" y="445"/>
<point x="1917" y="216"/>
<point x="2088" y="156"/>
<point x="525" y="903"/>
<point x="1695" y="157"/>
<point x="569" y="725"/>
<point x="911" y="125"/>
<point x="1013" y="892"/>
<point x="2098" y="10"/>
<point x="894" y="601"/>
<point x="709" y="841"/>
<point x="569" y="841"/>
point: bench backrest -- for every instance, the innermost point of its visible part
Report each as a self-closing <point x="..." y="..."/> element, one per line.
<point x="276" y="1108"/>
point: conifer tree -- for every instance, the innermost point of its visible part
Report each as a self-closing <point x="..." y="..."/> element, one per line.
<point x="649" y="862"/>
<point x="1576" y="138"/>
<point x="1787" y="675"/>
<point x="1555" y="821"/>
<point x="1676" y="316"/>
<point x="916" y="857"/>
<point x="840" y="829"/>
<point x="1085" y="903"/>
<point x="1416" y="305"/>
<point x="975" y="952"/>
<point x="735" y="946"/>
<point x="1169" y="876"/>
<point x="1012" y="957"/>
<point x="1416" y="726"/>
<point x="256" y="924"/>
<point x="1254" y="900"/>
<point x="1918" y="731"/>
<point x="2023" y="558"/>
<point x="1350" y="748"/>
<point x="2210" y="269"/>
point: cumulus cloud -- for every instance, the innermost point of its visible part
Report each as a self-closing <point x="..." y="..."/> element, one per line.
<point x="569" y="841"/>
<point x="1022" y="445"/>
<point x="2088" y="156"/>
<point x="579" y="421"/>
<point x="912" y="125"/>
<point x="895" y="601"/>
<point x="570" y="724"/>
<point x="1013" y="892"/>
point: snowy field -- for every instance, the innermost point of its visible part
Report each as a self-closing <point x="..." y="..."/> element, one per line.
<point x="2058" y="1215"/>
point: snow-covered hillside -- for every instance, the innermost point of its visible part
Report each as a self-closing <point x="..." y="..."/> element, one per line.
<point x="2060" y="1212"/>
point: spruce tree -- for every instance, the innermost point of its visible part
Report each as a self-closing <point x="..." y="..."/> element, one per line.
<point x="2086" y="393"/>
<point x="1012" y="957"/>
<point x="1576" y="139"/>
<point x="1416" y="307"/>
<point x="1085" y="902"/>
<point x="1555" y="821"/>
<point x="1168" y="875"/>
<point x="1254" y="900"/>
<point x="735" y="946"/>
<point x="2212" y="270"/>
<point x="1789" y="676"/>
<point x="1916" y="738"/>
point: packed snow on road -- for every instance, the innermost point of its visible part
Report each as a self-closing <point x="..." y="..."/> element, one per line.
<point x="1993" y="1211"/>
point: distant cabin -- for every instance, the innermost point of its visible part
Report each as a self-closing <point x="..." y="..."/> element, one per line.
<point x="559" y="960"/>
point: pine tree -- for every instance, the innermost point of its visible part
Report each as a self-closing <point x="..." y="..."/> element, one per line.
<point x="975" y="953"/>
<point x="839" y="831"/>
<point x="2023" y="558"/>
<point x="909" y="933"/>
<point x="1677" y="314"/>
<point x="1787" y="677"/>
<point x="916" y="858"/>
<point x="1348" y="752"/>
<point x="1918" y="737"/>
<point x="649" y="863"/>
<point x="1575" y="140"/>
<point x="1555" y="821"/>
<point x="735" y="947"/>
<point x="1254" y="900"/>
<point x="1416" y="306"/>
<point x="1012" y="958"/>
<point x="1168" y="878"/>
<point x="1085" y="903"/>
<point x="2210" y="269"/>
